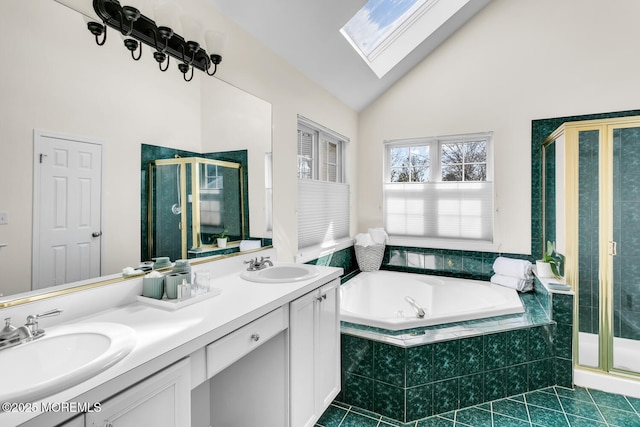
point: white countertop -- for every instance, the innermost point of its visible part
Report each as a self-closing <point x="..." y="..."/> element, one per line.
<point x="166" y="336"/>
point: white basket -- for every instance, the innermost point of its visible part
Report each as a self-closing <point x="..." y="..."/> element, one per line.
<point x="369" y="257"/>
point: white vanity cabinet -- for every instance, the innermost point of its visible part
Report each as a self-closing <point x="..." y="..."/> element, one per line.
<point x="162" y="400"/>
<point x="314" y="339"/>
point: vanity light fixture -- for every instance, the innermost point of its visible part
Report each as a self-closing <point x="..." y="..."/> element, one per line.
<point x="138" y="29"/>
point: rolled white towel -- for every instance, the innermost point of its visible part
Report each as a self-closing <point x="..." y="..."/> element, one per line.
<point x="378" y="235"/>
<point x="364" y="239"/>
<point x="522" y="285"/>
<point x="518" y="268"/>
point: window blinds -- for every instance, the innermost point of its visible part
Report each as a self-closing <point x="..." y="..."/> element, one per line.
<point x="323" y="212"/>
<point x="451" y="210"/>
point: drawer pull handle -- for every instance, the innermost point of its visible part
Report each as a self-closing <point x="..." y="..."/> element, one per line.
<point x="255" y="337"/>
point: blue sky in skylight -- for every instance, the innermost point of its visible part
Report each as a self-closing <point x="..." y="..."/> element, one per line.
<point x="377" y="19"/>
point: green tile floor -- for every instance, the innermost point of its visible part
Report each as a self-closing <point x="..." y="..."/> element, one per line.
<point x="549" y="407"/>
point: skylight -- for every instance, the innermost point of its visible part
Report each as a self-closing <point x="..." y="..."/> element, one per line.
<point x="377" y="20"/>
<point x="384" y="32"/>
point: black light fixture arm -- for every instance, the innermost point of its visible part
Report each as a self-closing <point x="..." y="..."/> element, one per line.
<point x="132" y="23"/>
<point x="98" y="30"/>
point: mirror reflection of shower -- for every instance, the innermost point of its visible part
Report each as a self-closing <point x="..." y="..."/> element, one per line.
<point x="176" y="208"/>
<point x="193" y="201"/>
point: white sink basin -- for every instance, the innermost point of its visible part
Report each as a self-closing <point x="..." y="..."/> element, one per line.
<point x="67" y="355"/>
<point x="282" y="273"/>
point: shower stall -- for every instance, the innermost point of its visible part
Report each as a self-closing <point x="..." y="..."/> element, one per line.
<point x="192" y="201"/>
<point x="591" y="186"/>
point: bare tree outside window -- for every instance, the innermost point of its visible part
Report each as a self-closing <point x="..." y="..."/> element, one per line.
<point x="464" y="161"/>
<point x="410" y="164"/>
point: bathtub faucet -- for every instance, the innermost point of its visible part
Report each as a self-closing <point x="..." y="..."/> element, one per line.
<point x="419" y="310"/>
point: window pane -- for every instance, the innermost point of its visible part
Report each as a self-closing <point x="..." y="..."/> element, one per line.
<point x="452" y="173"/>
<point x="452" y="153"/>
<point x="304" y="167"/>
<point x="475" y="172"/>
<point x="420" y="155"/>
<point x="399" y="156"/>
<point x="399" y="175"/>
<point x="475" y="152"/>
<point x="419" y="174"/>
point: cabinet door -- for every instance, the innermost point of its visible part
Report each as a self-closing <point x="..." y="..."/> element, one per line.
<point x="314" y="330"/>
<point x="328" y="346"/>
<point x="302" y="360"/>
<point x="162" y="400"/>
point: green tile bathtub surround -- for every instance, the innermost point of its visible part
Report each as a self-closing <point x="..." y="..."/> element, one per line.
<point x="445" y="395"/>
<point x="495" y="351"/>
<point x="467" y="264"/>
<point x="562" y="308"/>
<point x="344" y="258"/>
<point x="357" y="355"/>
<point x="471" y="390"/>
<point x="358" y="391"/>
<point x="446" y="360"/>
<point x="419" y="401"/>
<point x="389" y="400"/>
<point x="517" y="380"/>
<point x="472" y="355"/>
<point x="517" y="346"/>
<point x="563" y="341"/>
<point x="495" y="384"/>
<point x="540" y="373"/>
<point x="389" y="364"/>
<point x="419" y="369"/>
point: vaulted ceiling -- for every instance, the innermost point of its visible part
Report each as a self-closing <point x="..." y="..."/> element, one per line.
<point x="306" y="33"/>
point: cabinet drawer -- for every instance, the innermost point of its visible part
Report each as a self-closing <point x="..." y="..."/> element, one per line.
<point x="232" y="347"/>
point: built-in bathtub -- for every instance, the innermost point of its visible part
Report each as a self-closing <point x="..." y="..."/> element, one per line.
<point x="378" y="299"/>
<point x="407" y="371"/>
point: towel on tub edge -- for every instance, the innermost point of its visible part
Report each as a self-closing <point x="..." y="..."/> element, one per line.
<point x="518" y="268"/>
<point x="522" y="285"/>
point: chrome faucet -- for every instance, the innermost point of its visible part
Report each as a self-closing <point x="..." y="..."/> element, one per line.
<point x="11" y="336"/>
<point x="255" y="265"/>
<point x="419" y="310"/>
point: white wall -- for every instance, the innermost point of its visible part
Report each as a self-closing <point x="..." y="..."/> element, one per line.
<point x="55" y="78"/>
<point x="514" y="62"/>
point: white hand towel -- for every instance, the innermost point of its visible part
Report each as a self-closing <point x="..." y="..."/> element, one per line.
<point x="518" y="268"/>
<point x="246" y="245"/>
<point x="378" y="235"/>
<point x="364" y="239"/>
<point x="522" y="285"/>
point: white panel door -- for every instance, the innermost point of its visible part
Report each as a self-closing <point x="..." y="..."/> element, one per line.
<point x="67" y="210"/>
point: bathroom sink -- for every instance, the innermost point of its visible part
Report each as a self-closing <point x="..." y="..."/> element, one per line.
<point x="65" y="356"/>
<point x="282" y="273"/>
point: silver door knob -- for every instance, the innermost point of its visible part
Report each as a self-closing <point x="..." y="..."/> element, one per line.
<point x="96" y="234"/>
<point x="255" y="337"/>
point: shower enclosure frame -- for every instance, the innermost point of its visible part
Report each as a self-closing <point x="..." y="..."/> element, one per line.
<point x="569" y="134"/>
<point x="195" y="163"/>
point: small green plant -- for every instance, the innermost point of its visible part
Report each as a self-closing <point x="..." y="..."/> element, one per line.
<point x="554" y="258"/>
<point x="224" y="233"/>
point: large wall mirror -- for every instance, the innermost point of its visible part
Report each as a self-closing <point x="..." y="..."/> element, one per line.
<point x="67" y="86"/>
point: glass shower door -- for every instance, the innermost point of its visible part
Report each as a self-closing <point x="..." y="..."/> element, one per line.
<point x="588" y="247"/>
<point x="625" y="252"/>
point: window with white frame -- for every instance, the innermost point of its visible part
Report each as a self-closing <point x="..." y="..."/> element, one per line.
<point x="439" y="187"/>
<point x="323" y="194"/>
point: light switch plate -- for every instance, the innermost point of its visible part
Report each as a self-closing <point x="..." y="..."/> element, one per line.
<point x="4" y="218"/>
